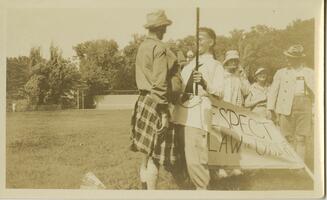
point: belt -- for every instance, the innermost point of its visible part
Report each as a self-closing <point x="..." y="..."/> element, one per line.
<point x="144" y="92"/>
<point x="187" y="96"/>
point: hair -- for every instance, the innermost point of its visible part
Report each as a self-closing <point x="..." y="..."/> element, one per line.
<point x="211" y="33"/>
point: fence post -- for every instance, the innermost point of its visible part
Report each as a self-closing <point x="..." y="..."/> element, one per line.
<point x="77" y="98"/>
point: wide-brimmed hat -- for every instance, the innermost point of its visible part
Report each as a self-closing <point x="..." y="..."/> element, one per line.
<point x="157" y="19"/>
<point x="260" y="70"/>
<point x="232" y="54"/>
<point x="295" y="51"/>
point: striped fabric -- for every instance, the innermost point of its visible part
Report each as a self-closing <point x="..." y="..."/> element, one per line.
<point x="145" y="137"/>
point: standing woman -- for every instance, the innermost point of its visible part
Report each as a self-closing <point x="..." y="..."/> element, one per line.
<point x="157" y="81"/>
<point x="236" y="88"/>
<point x="257" y="98"/>
<point x="236" y="84"/>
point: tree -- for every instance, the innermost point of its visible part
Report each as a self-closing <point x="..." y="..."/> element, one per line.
<point x="36" y="87"/>
<point x="128" y="70"/>
<point x="17" y="76"/>
<point x="263" y="46"/>
<point x="52" y="81"/>
<point x="100" y="65"/>
<point x="301" y="32"/>
<point x="62" y="78"/>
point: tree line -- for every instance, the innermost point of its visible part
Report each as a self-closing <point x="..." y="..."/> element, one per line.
<point x="102" y="66"/>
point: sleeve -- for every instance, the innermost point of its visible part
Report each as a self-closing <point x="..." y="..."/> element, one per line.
<point x="309" y="80"/>
<point x="174" y="78"/>
<point x="248" y="101"/>
<point x="245" y="85"/>
<point x="176" y="87"/>
<point x="216" y="87"/>
<point x="273" y="92"/>
<point x="159" y="88"/>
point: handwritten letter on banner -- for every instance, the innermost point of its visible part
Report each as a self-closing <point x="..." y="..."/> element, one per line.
<point x="241" y="138"/>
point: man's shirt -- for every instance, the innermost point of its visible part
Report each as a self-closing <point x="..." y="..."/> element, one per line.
<point x="196" y="111"/>
<point x="153" y="64"/>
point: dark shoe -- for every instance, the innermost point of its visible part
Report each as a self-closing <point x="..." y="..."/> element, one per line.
<point x="144" y="186"/>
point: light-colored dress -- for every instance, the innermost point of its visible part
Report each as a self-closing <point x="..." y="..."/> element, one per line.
<point x="258" y="93"/>
<point x="236" y="87"/>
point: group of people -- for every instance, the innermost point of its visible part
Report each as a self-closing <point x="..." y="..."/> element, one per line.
<point x="170" y="123"/>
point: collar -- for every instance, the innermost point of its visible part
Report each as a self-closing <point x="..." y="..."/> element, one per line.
<point x="206" y="56"/>
<point x="228" y="74"/>
<point x="293" y="68"/>
<point x="152" y="38"/>
<point x="256" y="85"/>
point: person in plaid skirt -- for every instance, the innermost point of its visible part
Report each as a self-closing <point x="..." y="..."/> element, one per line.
<point x="158" y="81"/>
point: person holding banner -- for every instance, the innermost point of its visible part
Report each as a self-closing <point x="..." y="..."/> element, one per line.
<point x="290" y="98"/>
<point x="193" y="115"/>
<point x="158" y="80"/>
<point x="236" y="88"/>
<point x="257" y="98"/>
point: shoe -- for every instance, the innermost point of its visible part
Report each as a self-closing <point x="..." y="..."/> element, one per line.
<point x="144" y="186"/>
<point x="222" y="173"/>
<point x="236" y="172"/>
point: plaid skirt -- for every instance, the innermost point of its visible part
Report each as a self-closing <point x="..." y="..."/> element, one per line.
<point x="160" y="146"/>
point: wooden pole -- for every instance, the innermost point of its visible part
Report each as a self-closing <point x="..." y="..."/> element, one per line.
<point x="197" y="46"/>
<point x="77" y="98"/>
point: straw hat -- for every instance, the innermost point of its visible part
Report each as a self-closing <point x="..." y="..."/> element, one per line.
<point x="295" y="51"/>
<point x="157" y="19"/>
<point x="232" y="54"/>
<point x="260" y="70"/>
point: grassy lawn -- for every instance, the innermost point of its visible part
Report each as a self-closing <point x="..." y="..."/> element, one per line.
<point x="51" y="150"/>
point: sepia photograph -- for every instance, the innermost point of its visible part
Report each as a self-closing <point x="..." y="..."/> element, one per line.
<point x="163" y="99"/>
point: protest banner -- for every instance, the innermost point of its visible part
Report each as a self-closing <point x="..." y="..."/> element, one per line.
<point x="240" y="138"/>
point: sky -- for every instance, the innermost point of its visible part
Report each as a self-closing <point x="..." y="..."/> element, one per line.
<point x="66" y="26"/>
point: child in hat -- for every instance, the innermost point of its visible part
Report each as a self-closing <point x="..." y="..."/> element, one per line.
<point x="257" y="98"/>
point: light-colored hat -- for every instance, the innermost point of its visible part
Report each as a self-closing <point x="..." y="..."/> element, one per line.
<point x="295" y="51"/>
<point x="157" y="19"/>
<point x="258" y="71"/>
<point x="232" y="54"/>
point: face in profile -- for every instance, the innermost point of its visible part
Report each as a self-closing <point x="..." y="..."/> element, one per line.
<point x="205" y="42"/>
<point x="160" y="31"/>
